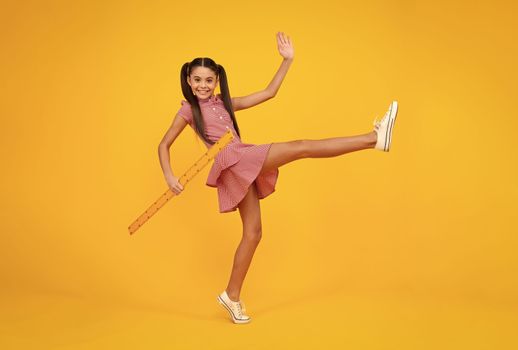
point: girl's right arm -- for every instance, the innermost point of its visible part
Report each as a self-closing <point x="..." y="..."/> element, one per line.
<point x="163" y="153"/>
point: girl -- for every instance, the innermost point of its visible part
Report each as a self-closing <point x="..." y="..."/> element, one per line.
<point x="245" y="173"/>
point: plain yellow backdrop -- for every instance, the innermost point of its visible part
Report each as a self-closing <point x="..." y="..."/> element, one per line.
<point x="90" y="87"/>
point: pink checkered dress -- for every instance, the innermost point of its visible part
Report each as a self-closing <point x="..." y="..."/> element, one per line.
<point x="237" y="165"/>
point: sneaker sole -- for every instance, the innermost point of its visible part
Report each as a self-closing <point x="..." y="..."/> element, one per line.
<point x="392" y="121"/>
<point x="235" y="320"/>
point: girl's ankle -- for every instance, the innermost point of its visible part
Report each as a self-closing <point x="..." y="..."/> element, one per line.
<point x="232" y="296"/>
<point x="373" y="138"/>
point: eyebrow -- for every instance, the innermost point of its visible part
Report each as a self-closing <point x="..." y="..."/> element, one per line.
<point x="200" y="77"/>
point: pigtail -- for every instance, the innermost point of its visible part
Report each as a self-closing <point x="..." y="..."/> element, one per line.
<point x="225" y="94"/>
<point x="199" y="124"/>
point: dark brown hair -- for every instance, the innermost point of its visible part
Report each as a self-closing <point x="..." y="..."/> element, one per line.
<point x="199" y="124"/>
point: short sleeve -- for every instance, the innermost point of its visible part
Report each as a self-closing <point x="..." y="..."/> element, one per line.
<point x="185" y="112"/>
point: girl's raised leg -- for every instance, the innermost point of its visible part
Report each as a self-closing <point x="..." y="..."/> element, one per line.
<point x="250" y="212"/>
<point x="249" y="208"/>
<point x="284" y="152"/>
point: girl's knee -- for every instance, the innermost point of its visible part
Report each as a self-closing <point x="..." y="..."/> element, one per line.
<point x="253" y="235"/>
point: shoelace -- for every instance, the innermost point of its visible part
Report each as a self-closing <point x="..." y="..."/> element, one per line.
<point x="240" y="306"/>
<point x="377" y="123"/>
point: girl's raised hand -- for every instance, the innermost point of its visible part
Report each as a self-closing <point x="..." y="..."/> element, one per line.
<point x="284" y="45"/>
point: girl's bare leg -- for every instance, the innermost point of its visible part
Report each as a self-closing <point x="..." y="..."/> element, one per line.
<point x="284" y="152"/>
<point x="250" y="212"/>
<point x="249" y="208"/>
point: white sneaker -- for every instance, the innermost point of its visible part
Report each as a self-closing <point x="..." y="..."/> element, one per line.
<point x="384" y="128"/>
<point x="236" y="309"/>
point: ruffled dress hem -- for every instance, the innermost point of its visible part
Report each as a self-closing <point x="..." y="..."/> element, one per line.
<point x="237" y="167"/>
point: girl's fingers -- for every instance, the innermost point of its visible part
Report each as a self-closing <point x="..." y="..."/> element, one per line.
<point x="283" y="37"/>
<point x="280" y="38"/>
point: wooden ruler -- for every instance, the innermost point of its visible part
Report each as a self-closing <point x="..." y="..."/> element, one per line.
<point x="184" y="179"/>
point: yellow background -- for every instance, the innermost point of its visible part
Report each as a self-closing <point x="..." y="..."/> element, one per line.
<point x="415" y="248"/>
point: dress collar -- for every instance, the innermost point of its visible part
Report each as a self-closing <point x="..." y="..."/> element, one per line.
<point x="211" y="99"/>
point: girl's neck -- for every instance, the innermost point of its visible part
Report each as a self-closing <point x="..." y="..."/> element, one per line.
<point x="208" y="99"/>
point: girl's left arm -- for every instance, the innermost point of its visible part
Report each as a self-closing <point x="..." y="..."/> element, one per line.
<point x="287" y="52"/>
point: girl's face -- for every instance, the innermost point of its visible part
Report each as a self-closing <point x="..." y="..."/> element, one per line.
<point x="203" y="82"/>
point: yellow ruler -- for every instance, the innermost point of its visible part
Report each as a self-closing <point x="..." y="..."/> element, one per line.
<point x="184" y="179"/>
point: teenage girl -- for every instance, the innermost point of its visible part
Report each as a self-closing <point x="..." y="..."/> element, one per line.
<point x="245" y="173"/>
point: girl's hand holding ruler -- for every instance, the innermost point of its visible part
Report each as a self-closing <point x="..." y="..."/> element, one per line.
<point x="184" y="179"/>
